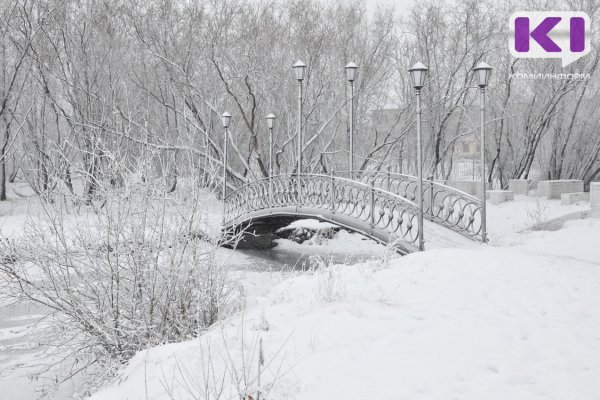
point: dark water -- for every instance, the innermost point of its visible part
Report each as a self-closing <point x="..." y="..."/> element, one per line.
<point x="301" y="258"/>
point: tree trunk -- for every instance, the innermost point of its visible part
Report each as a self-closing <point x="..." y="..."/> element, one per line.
<point x="2" y="179"/>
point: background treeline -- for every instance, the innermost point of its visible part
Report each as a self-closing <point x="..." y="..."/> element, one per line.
<point x="88" y="87"/>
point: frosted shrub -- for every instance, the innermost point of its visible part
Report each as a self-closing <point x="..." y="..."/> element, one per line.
<point x="133" y="271"/>
<point x="330" y="284"/>
<point x="232" y="365"/>
<point x="537" y="218"/>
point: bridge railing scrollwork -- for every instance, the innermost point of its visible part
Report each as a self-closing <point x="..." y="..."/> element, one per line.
<point x="372" y="207"/>
<point x="447" y="206"/>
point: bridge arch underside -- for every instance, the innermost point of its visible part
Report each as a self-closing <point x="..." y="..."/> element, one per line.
<point x="271" y="220"/>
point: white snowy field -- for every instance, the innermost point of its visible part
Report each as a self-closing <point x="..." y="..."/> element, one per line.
<point x="24" y="345"/>
<point x="517" y="319"/>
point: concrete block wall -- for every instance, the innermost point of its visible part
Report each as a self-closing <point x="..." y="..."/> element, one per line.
<point x="572" y="198"/>
<point x="595" y="198"/>
<point x="500" y="196"/>
<point x="554" y="189"/>
<point x="519" y="186"/>
<point x="478" y="189"/>
<point x="542" y="189"/>
<point x="470" y="187"/>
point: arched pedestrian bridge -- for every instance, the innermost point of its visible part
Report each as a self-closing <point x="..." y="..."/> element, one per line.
<point x="378" y="205"/>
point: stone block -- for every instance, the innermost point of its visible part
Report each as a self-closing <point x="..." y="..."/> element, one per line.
<point x="470" y="187"/>
<point x="595" y="198"/>
<point x="500" y="196"/>
<point x="572" y="198"/>
<point x="554" y="189"/>
<point x="519" y="186"/>
<point x="542" y="189"/>
<point x="478" y="190"/>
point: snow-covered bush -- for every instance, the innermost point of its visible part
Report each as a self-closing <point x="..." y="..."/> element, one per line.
<point x="227" y="363"/>
<point x="330" y="283"/>
<point x="537" y="217"/>
<point x="135" y="270"/>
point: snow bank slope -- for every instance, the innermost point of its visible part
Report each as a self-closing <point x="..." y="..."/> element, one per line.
<point x="520" y="322"/>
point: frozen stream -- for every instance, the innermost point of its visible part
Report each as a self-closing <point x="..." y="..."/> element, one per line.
<point x="22" y="346"/>
<point x="348" y="249"/>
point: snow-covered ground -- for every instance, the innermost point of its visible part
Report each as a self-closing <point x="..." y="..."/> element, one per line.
<point x="518" y="319"/>
<point x="23" y="349"/>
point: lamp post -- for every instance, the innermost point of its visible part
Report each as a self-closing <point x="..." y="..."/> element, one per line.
<point x="270" y="125"/>
<point x="225" y="119"/>
<point x="351" y="71"/>
<point x="299" y="70"/>
<point x="418" y="73"/>
<point x="483" y="72"/>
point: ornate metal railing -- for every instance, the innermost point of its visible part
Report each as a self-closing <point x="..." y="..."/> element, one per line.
<point x="450" y="207"/>
<point x="370" y="207"/>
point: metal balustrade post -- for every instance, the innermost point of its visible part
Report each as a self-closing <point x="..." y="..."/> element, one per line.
<point x="351" y="75"/>
<point x="351" y="150"/>
<point x="299" y="167"/>
<point x="332" y="192"/>
<point x="388" y="179"/>
<point x="372" y="202"/>
<point x="483" y="73"/>
<point x="418" y="73"/>
<point x="483" y="188"/>
<point x="225" y="172"/>
<point x="431" y="198"/>
<point x="420" y="172"/>
<point x="271" y="203"/>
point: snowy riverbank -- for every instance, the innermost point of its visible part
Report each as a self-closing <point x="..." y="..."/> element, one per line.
<point x="518" y="320"/>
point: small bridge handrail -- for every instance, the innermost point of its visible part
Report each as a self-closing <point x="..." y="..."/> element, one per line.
<point x="412" y="178"/>
<point x="365" y="208"/>
<point x="339" y="178"/>
<point x="443" y="204"/>
<point x="361" y="195"/>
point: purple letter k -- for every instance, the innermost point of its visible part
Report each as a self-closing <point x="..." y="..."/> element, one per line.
<point x="539" y="34"/>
